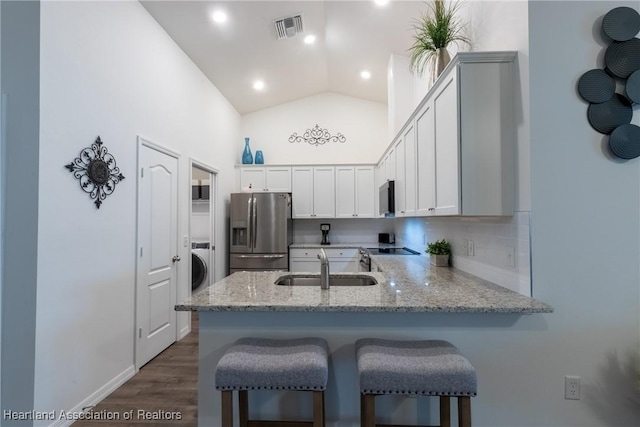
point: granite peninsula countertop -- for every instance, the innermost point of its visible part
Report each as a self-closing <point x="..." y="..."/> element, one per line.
<point x="406" y="284"/>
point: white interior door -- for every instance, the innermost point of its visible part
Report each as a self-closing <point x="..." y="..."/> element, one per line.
<point x="158" y="258"/>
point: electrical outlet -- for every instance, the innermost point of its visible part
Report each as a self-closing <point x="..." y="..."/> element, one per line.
<point x="185" y="241"/>
<point x="572" y="387"/>
<point x="510" y="257"/>
<point x="471" y="250"/>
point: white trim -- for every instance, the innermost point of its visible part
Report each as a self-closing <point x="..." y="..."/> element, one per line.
<point x="213" y="211"/>
<point x="3" y="122"/>
<point x="184" y="332"/>
<point x="213" y="203"/>
<point x="145" y="142"/>
<point x="155" y="146"/>
<point x="204" y="166"/>
<point x="97" y="396"/>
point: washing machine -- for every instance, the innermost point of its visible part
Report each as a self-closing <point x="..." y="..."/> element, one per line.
<point x="199" y="264"/>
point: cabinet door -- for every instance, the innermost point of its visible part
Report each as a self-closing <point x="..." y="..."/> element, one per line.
<point x="426" y="161"/>
<point x="341" y="266"/>
<point x="305" y="266"/>
<point x="390" y="166"/>
<point x="345" y="192"/>
<point x="302" y="192"/>
<point x="278" y="179"/>
<point x="324" y="198"/>
<point x="365" y="192"/>
<point x="409" y="139"/>
<point x="400" y="178"/>
<point x="253" y="177"/>
<point x="445" y="106"/>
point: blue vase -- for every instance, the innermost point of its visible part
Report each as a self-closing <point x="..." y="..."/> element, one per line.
<point x="247" y="157"/>
<point x="259" y="158"/>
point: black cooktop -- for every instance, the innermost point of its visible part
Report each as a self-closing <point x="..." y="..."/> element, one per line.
<point x="392" y="251"/>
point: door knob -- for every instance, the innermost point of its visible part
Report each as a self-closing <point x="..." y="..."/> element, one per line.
<point x="175" y="258"/>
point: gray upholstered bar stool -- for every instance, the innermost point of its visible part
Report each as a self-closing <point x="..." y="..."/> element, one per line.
<point x="272" y="364"/>
<point x="427" y="368"/>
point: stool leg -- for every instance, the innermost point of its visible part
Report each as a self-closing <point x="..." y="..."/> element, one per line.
<point x="464" y="411"/>
<point x="445" y="411"/>
<point x="367" y="410"/>
<point x="227" y="409"/>
<point x="318" y="409"/>
<point x="243" y="407"/>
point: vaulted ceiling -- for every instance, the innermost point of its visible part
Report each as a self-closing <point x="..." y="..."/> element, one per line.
<point x="351" y="36"/>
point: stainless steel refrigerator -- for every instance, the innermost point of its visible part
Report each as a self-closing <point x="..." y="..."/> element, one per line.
<point x="261" y="231"/>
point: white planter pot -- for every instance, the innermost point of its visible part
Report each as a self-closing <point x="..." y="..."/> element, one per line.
<point x="439" y="260"/>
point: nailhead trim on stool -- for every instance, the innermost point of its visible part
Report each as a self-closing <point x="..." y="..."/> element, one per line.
<point x="274" y="364"/>
<point x="426" y="368"/>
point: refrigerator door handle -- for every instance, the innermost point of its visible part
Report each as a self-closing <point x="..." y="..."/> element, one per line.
<point x="259" y="256"/>
<point x="249" y="223"/>
<point x="255" y="222"/>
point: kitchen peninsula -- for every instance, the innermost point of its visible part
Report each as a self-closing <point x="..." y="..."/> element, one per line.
<point x="411" y="301"/>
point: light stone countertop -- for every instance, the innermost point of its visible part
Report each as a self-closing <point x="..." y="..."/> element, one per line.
<point x="407" y="283"/>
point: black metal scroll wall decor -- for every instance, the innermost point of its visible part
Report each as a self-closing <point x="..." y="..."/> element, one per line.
<point x="96" y="170"/>
<point x="610" y="113"/>
<point x="317" y="136"/>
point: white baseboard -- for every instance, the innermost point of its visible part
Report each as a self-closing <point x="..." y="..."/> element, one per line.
<point x="184" y="332"/>
<point x="98" y="396"/>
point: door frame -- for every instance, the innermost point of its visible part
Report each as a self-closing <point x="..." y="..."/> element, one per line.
<point x="213" y="210"/>
<point x="141" y="141"/>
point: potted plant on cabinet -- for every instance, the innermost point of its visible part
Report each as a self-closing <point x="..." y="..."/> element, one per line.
<point x="439" y="252"/>
<point x="434" y="31"/>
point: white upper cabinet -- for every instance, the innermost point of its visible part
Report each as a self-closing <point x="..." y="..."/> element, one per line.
<point x="268" y="178"/>
<point x="324" y="199"/>
<point x="355" y="192"/>
<point x="345" y="192"/>
<point x="313" y="192"/>
<point x="447" y="171"/>
<point x="410" y="172"/>
<point x="399" y="177"/>
<point x="405" y="186"/>
<point x="365" y="192"/>
<point x="426" y="160"/>
<point x="465" y="136"/>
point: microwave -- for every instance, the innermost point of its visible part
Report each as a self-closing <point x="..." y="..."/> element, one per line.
<point x="387" y="199"/>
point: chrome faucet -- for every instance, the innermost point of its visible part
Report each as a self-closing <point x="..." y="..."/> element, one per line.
<point x="324" y="269"/>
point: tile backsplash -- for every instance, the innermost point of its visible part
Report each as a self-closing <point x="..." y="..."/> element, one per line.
<point x="501" y="246"/>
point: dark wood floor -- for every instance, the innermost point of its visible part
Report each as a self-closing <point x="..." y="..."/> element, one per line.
<point x="168" y="383"/>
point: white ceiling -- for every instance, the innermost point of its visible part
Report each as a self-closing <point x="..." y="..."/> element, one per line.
<point x="351" y="36"/>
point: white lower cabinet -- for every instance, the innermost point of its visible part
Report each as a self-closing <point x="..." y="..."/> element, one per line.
<point x="341" y="260"/>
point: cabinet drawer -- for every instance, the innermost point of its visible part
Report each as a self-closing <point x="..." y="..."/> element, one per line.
<point x="331" y="252"/>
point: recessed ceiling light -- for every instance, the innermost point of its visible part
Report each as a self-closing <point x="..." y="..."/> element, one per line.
<point x="310" y="39"/>
<point x="219" y="17"/>
<point x="365" y="74"/>
<point x="258" y="85"/>
<point x="381" y="2"/>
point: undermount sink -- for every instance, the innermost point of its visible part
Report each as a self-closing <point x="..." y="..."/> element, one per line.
<point x="308" y="280"/>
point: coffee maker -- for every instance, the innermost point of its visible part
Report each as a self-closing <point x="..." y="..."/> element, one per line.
<point x="325" y="233"/>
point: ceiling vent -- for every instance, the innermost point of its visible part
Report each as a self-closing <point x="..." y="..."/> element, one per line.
<point x="288" y="27"/>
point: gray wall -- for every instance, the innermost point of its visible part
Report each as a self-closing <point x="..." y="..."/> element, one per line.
<point x="585" y="227"/>
<point x="20" y="82"/>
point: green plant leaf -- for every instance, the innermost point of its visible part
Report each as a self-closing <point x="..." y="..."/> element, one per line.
<point x="435" y="29"/>
<point x="439" y="247"/>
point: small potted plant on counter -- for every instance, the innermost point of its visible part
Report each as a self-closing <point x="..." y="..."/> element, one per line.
<point x="439" y="252"/>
